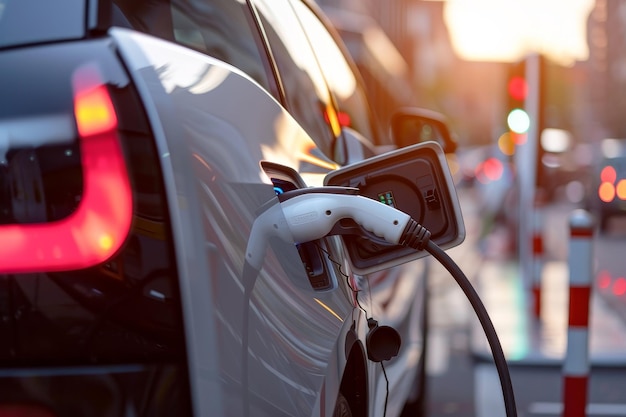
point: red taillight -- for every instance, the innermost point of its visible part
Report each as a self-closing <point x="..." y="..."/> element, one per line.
<point x="611" y="186"/>
<point x="22" y="410"/>
<point x="94" y="111"/>
<point x="608" y="174"/>
<point x="620" y="189"/>
<point x="606" y="192"/>
<point x="100" y="224"/>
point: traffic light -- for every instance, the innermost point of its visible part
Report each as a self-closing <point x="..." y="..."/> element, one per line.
<point x="517" y="118"/>
<point x="525" y="91"/>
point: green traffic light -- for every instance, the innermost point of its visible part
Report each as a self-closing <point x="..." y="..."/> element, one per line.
<point x="518" y="121"/>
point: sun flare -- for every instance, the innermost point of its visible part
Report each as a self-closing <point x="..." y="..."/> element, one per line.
<point x="507" y="30"/>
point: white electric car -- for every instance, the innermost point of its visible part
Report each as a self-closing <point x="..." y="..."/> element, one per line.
<point x="142" y="143"/>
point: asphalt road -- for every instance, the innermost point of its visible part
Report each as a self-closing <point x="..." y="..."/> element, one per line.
<point x="462" y="384"/>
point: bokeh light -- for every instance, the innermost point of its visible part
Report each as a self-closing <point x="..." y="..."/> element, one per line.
<point x="619" y="287"/>
<point x="506" y="144"/>
<point x="620" y="189"/>
<point x="518" y="121"/>
<point x="518" y="88"/>
<point x="606" y="192"/>
<point x="608" y="174"/>
<point x="489" y="170"/>
<point x="604" y="279"/>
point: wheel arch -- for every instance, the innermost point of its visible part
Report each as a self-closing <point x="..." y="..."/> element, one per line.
<point x="354" y="381"/>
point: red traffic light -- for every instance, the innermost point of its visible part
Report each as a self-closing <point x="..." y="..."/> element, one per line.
<point x="518" y="88"/>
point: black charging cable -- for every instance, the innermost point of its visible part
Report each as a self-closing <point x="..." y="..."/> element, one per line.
<point x="314" y="213"/>
<point x="418" y="237"/>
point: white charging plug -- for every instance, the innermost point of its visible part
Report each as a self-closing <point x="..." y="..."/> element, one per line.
<point x="311" y="216"/>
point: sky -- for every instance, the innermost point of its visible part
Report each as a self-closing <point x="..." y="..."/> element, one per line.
<point x="508" y="30"/>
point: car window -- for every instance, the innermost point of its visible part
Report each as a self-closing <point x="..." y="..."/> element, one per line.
<point x="346" y="88"/>
<point x="307" y="95"/>
<point x="29" y="21"/>
<point x="223" y="29"/>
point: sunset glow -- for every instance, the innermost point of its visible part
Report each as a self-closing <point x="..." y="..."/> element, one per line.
<point x="508" y="30"/>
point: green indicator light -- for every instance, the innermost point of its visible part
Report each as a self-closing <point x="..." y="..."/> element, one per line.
<point x="387" y="198"/>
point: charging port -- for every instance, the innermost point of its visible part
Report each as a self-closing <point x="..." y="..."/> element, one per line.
<point x="415" y="180"/>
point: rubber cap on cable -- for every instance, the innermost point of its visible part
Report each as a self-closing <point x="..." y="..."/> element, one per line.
<point x="383" y="342"/>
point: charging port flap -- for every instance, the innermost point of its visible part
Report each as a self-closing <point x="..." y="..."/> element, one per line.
<point x="415" y="179"/>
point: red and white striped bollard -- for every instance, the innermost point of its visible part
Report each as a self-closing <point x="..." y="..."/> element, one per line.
<point x="576" y="363"/>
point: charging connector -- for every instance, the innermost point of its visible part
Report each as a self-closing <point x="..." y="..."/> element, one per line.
<point x="311" y="213"/>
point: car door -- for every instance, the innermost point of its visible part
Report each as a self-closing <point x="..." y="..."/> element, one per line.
<point x="342" y="77"/>
<point x="397" y="296"/>
<point x="262" y="334"/>
<point x="323" y="92"/>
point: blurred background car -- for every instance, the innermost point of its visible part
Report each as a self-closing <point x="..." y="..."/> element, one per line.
<point x="610" y="182"/>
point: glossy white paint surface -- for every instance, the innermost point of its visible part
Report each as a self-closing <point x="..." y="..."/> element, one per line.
<point x="260" y="343"/>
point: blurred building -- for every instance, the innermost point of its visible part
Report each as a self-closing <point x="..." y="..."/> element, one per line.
<point x="607" y="68"/>
<point x="586" y="98"/>
<point x="470" y="94"/>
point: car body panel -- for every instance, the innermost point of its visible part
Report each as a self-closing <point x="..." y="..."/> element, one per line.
<point x="213" y="136"/>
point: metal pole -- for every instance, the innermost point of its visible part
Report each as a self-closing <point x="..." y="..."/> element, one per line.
<point x="538" y="255"/>
<point x="526" y="165"/>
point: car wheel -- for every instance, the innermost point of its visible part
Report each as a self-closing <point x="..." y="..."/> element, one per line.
<point x="342" y="407"/>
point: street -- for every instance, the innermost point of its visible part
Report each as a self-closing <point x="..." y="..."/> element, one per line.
<point x="462" y="377"/>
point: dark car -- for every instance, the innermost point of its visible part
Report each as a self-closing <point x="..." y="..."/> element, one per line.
<point x="610" y="182"/>
<point x="140" y="144"/>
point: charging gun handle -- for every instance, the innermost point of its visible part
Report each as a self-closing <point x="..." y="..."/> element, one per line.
<point x="310" y="214"/>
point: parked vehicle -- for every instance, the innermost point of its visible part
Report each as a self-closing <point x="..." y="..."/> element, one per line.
<point x="609" y="197"/>
<point x="139" y="141"/>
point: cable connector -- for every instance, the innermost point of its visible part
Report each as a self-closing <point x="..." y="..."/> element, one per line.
<point x="309" y="214"/>
<point x="415" y="236"/>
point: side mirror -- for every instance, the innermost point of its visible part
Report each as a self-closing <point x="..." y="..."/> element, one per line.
<point x="415" y="179"/>
<point x="415" y="125"/>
